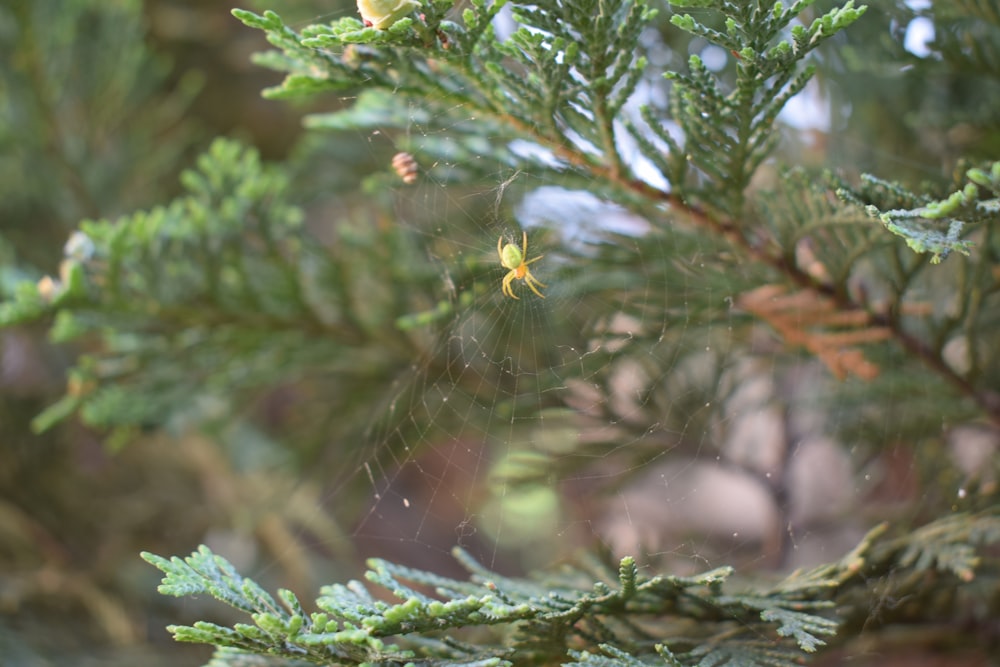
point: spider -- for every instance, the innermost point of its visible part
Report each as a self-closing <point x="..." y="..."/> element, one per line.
<point x="513" y="258"/>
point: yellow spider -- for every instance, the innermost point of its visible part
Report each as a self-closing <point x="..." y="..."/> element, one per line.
<point x="513" y="258"/>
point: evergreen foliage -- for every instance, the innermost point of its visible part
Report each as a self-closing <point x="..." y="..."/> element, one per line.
<point x="934" y="226"/>
<point x="223" y="283"/>
<point x="224" y="293"/>
<point x="592" y="615"/>
<point x="225" y="247"/>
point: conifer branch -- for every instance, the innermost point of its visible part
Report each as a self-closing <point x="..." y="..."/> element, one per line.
<point x="729" y="134"/>
<point x="221" y="291"/>
<point x="559" y="85"/>
<point x="573" y="613"/>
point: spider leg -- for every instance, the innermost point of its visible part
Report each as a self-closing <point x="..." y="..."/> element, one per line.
<point x="505" y="286"/>
<point x="530" y="281"/>
<point x="532" y="288"/>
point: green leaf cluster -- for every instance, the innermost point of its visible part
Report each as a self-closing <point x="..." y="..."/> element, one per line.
<point x="580" y="615"/>
<point x="217" y="294"/>
<point x="929" y="225"/>
<point x="729" y="133"/>
<point x="559" y="83"/>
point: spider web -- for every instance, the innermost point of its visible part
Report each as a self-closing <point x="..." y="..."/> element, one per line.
<point x="612" y="413"/>
<point x="497" y="451"/>
<point x="633" y="408"/>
